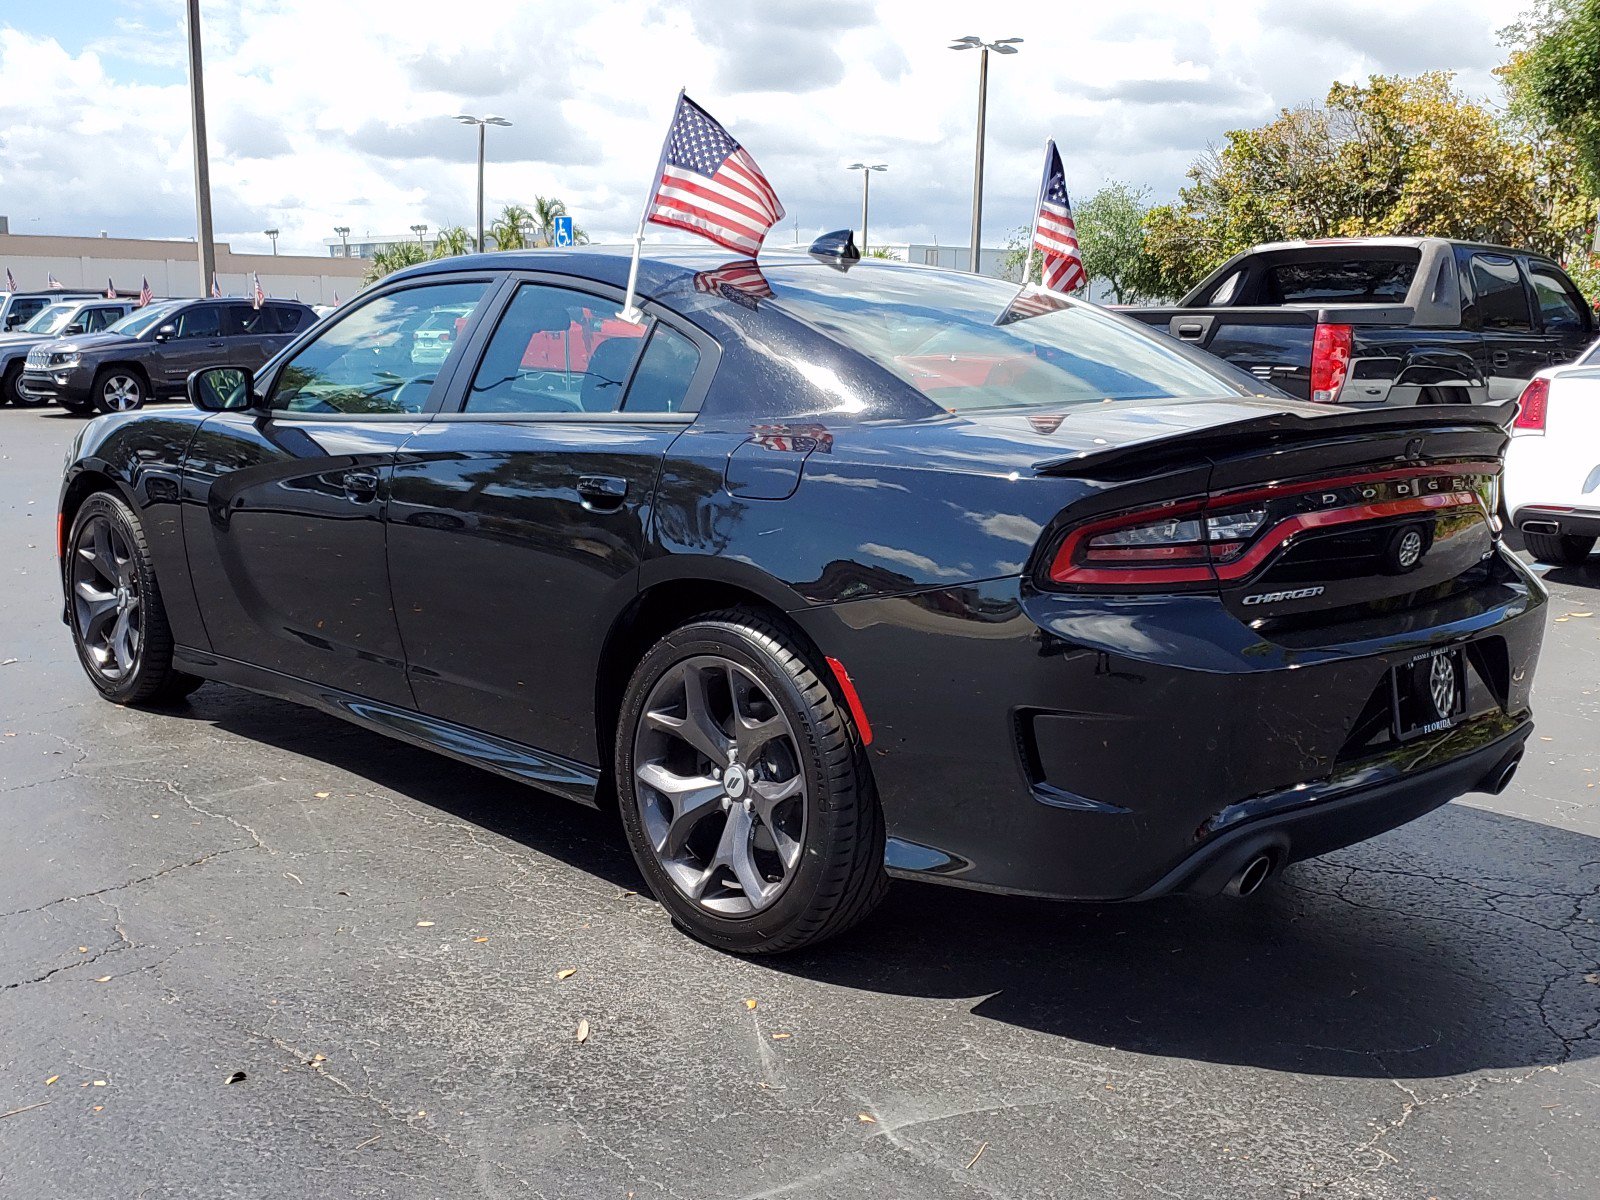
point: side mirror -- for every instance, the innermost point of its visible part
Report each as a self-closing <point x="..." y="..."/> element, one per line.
<point x="222" y="389"/>
<point x="166" y="333"/>
<point x="74" y="328"/>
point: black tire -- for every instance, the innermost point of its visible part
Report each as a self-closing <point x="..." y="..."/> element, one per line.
<point x="838" y="876"/>
<point x="1558" y="549"/>
<point x="10" y="393"/>
<point x="120" y="389"/>
<point x="148" y="676"/>
<point x="77" y="407"/>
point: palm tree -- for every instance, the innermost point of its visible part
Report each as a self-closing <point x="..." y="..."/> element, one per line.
<point x="451" y="242"/>
<point x="545" y="211"/>
<point x="509" y="229"/>
<point x="401" y="254"/>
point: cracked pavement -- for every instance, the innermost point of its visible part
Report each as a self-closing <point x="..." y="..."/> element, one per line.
<point x="372" y="935"/>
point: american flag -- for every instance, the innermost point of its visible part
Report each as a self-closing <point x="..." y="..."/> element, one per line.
<point x="1030" y="302"/>
<point x="11" y="281"/>
<point x="741" y="281"/>
<point x="336" y="299"/>
<point x="111" y="290"/>
<point x="216" y="288"/>
<point x="52" y="282"/>
<point x="1054" y="234"/>
<point x="144" y="293"/>
<point x="711" y="186"/>
<point x="259" y="297"/>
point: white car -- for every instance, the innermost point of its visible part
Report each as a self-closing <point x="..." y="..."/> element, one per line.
<point x="1551" y="485"/>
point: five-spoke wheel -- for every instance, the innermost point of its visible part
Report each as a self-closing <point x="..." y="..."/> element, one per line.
<point x="744" y="790"/>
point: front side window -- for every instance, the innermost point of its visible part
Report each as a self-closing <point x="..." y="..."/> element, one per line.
<point x="556" y="350"/>
<point x="1558" y="309"/>
<point x="1502" y="304"/>
<point x="200" y="322"/>
<point x="142" y="320"/>
<point x="366" y="361"/>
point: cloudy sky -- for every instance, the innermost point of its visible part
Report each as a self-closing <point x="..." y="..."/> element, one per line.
<point x="330" y="112"/>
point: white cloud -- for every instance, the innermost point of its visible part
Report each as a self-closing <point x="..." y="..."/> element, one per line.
<point x="321" y="115"/>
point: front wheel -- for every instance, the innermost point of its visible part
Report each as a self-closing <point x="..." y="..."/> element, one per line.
<point x="1558" y="549"/>
<point x="119" y="624"/>
<point x="119" y="389"/>
<point x="744" y="789"/>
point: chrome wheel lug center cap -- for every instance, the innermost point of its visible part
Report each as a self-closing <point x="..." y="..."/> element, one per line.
<point x="735" y="782"/>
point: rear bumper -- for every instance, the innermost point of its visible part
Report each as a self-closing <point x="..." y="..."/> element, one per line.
<point x="1573" y="522"/>
<point x="1121" y="747"/>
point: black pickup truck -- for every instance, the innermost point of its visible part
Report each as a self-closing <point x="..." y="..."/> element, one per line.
<point x="1385" y="321"/>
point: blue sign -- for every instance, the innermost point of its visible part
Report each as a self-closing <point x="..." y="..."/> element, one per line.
<point x="563" y="231"/>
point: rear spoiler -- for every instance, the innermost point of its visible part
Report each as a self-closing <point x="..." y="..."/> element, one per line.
<point x="1274" y="430"/>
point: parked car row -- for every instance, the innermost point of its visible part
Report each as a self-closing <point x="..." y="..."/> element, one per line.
<point x="93" y="354"/>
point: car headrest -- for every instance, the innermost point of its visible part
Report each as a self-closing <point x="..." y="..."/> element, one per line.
<point x="608" y="372"/>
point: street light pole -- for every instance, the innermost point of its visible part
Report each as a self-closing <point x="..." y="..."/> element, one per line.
<point x="202" y="165"/>
<point x="420" y="231"/>
<point x="481" y="123"/>
<point x="1003" y="46"/>
<point x="866" y="170"/>
<point x="344" y="237"/>
<point x="273" y="234"/>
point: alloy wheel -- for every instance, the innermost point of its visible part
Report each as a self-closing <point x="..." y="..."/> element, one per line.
<point x="120" y="393"/>
<point x="107" y="607"/>
<point x="719" y="786"/>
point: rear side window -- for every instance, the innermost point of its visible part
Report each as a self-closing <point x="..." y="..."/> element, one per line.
<point x="555" y="350"/>
<point x="1502" y="302"/>
<point x="1346" y="281"/>
<point x="96" y="319"/>
<point x="666" y="370"/>
<point x="25" y="310"/>
<point x="1558" y="308"/>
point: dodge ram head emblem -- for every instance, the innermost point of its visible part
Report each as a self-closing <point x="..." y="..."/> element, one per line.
<point x="1414" y="449"/>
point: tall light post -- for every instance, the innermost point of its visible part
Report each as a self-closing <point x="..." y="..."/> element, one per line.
<point x="481" y="123"/>
<point x="1003" y="46"/>
<point x="202" y="165"/>
<point x="273" y="234"/>
<point x="344" y="236"/>
<point x="866" y="170"/>
<point x="421" y="232"/>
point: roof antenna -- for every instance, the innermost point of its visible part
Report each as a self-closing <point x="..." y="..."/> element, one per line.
<point x="837" y="249"/>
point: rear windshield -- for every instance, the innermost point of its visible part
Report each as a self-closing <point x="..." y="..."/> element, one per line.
<point x="1347" y="281"/>
<point x="962" y="342"/>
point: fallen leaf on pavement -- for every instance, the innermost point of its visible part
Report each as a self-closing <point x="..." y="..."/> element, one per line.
<point x="1587" y="614"/>
<point x="1592" y="977"/>
<point x="51" y="1080"/>
<point x="424" y="924"/>
<point x="867" y="1118"/>
<point x="7" y="662"/>
<point x="778" y="1037"/>
<point x="104" y="979"/>
<point x="583" y="1031"/>
<point x="100" y="1083"/>
<point x="566" y="972"/>
<point x="83" y="949"/>
<point x="749" y="1003"/>
<point x="480" y="939"/>
<point x="320" y="795"/>
<point x="236" y="1077"/>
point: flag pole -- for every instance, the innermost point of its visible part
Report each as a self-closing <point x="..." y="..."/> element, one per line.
<point x="1033" y="233"/>
<point x="630" y="311"/>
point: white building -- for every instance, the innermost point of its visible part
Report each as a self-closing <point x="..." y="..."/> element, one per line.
<point x="171" y="266"/>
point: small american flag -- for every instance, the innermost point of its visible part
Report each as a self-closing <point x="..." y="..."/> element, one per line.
<point x="258" y="298"/>
<point x="11" y="282"/>
<point x="216" y="288"/>
<point x="1054" y="234"/>
<point x="711" y="186"/>
<point x="52" y="282"/>
<point x="111" y="290"/>
<point x="336" y="299"/>
<point x="741" y="281"/>
<point x="1030" y="302"/>
<point x="144" y="293"/>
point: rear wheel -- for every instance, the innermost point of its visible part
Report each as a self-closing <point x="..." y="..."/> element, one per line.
<point x="1558" y="549"/>
<point x="119" y="624"/>
<point x="744" y="789"/>
<point x="119" y="389"/>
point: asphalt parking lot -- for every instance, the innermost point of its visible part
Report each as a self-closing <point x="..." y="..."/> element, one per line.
<point x="379" y="940"/>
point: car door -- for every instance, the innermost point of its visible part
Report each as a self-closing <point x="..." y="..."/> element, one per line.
<point x="1564" y="318"/>
<point x="517" y="519"/>
<point x="1513" y="350"/>
<point x="284" y="523"/>
<point x="196" y="342"/>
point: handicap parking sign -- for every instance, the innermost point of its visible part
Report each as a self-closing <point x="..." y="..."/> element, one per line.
<point x="563" y="231"/>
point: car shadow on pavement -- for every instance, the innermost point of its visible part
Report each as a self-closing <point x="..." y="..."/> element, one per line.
<point x="1395" y="958"/>
<point x="586" y="839"/>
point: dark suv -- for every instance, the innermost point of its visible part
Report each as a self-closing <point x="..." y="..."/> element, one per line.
<point x="150" y="353"/>
<point x="69" y="318"/>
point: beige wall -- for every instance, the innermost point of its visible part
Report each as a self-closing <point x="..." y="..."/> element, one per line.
<point x="172" y="267"/>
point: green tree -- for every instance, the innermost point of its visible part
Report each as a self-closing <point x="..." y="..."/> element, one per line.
<point x="510" y="229"/>
<point x="1553" y="76"/>
<point x="396" y="257"/>
<point x="883" y="252"/>
<point x="452" y="241"/>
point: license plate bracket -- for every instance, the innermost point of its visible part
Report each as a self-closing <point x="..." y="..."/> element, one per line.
<point x="1429" y="692"/>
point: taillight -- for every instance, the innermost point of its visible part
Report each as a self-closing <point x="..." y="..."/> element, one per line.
<point x="1533" y="405"/>
<point x="1180" y="546"/>
<point x="1330" y="362"/>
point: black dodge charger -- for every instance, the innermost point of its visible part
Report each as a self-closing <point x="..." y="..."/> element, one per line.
<point x="825" y="573"/>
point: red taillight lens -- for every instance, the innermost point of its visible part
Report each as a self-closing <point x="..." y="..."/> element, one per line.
<point x="1330" y="362"/>
<point x="1179" y="546"/>
<point x="1533" y="405"/>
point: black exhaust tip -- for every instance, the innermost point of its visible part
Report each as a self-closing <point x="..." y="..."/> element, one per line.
<point x="1500" y="778"/>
